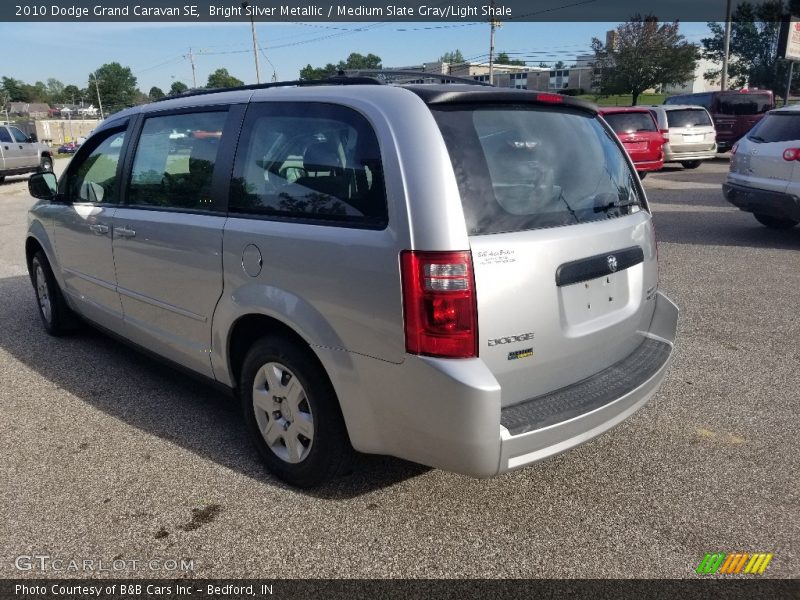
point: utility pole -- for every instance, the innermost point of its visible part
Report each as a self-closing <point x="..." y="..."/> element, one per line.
<point x="99" y="101"/>
<point x="190" y="56"/>
<point x="493" y="24"/>
<point x="789" y="83"/>
<point x="727" y="48"/>
<point x="245" y="4"/>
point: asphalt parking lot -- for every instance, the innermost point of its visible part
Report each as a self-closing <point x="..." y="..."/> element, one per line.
<point x="107" y="455"/>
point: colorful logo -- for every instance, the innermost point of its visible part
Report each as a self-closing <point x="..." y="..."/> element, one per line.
<point x="734" y="563"/>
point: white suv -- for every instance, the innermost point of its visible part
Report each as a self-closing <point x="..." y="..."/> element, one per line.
<point x="764" y="176"/>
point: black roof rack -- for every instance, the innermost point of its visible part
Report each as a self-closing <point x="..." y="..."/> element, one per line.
<point x="350" y="77"/>
<point x="340" y="79"/>
<point x="386" y="74"/>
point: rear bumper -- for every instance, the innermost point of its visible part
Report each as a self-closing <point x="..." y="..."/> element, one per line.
<point x="447" y="413"/>
<point x="773" y="204"/>
<point x="648" y="165"/>
<point x="706" y="154"/>
<point x="548" y="425"/>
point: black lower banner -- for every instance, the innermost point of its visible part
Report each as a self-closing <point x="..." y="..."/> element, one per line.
<point x="400" y="589"/>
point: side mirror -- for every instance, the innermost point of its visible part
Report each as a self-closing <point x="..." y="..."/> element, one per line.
<point x="43" y="186"/>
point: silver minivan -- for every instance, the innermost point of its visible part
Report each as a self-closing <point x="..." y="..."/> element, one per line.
<point x="457" y="275"/>
<point x="689" y="133"/>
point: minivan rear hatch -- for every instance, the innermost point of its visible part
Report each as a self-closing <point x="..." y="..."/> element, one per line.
<point x="562" y="244"/>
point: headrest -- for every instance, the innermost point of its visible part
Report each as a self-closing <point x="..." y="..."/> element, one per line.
<point x="321" y="156"/>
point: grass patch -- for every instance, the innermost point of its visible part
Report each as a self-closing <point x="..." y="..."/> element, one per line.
<point x="624" y="99"/>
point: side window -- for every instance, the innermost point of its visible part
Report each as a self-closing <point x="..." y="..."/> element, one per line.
<point x="94" y="178"/>
<point x="174" y="161"/>
<point x="309" y="161"/>
<point x="4" y="135"/>
<point x="19" y="136"/>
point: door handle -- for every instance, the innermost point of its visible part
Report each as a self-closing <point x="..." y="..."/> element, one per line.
<point x="124" y="232"/>
<point x="99" y="228"/>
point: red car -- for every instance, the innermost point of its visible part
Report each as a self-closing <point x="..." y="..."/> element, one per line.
<point x="638" y="132"/>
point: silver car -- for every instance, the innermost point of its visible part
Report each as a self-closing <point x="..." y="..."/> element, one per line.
<point x="689" y="133"/>
<point x="457" y="275"/>
<point x="764" y="175"/>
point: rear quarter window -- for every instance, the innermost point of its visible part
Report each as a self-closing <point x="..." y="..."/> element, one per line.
<point x="524" y="167"/>
<point x="744" y="104"/>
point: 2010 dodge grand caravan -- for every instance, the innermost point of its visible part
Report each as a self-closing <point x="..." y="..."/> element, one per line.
<point x="457" y="275"/>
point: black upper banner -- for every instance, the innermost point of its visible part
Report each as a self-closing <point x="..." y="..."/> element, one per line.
<point x="364" y="11"/>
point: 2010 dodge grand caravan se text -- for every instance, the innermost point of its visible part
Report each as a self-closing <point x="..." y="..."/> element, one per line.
<point x="457" y="275"/>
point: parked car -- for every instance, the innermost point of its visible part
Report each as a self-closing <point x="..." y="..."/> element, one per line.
<point x="637" y="130"/>
<point x="68" y="148"/>
<point x="764" y="174"/>
<point x="689" y="134"/>
<point x="734" y="112"/>
<point x="20" y="154"/>
<point x="457" y="275"/>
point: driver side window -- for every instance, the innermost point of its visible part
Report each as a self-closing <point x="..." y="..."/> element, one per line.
<point x="94" y="180"/>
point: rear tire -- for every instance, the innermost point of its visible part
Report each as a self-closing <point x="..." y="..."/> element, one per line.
<point x="46" y="165"/>
<point x="57" y="317"/>
<point x="775" y="222"/>
<point x="690" y="164"/>
<point x="292" y="414"/>
<point x="2" y="178"/>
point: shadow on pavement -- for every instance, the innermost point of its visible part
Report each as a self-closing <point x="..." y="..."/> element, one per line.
<point x="721" y="228"/>
<point x="156" y="399"/>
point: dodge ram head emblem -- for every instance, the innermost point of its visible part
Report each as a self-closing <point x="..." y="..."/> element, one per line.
<point x="612" y="263"/>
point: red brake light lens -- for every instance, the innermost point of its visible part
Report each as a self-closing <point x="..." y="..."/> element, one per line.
<point x="550" y="98"/>
<point x="665" y="134"/>
<point x="441" y="316"/>
<point x="735" y="148"/>
<point x="791" y="154"/>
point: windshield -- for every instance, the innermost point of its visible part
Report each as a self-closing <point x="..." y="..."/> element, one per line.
<point x="630" y="122"/>
<point x="523" y="167"/>
<point x="691" y="117"/>
<point x="777" y="127"/>
<point x="744" y="104"/>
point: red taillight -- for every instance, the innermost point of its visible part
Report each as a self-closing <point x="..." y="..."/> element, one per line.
<point x="551" y="98"/>
<point x="735" y="148"/>
<point x="791" y="154"/>
<point x="665" y="135"/>
<point x="441" y="316"/>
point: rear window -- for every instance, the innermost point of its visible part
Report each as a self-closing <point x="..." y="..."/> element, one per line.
<point x="630" y="122"/>
<point x="688" y="118"/>
<point x="777" y="127"/>
<point x="744" y="104"/>
<point x="521" y="167"/>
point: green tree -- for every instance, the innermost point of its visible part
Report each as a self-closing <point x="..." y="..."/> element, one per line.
<point x="455" y="57"/>
<point x="55" y="91"/>
<point x="559" y="65"/>
<point x="37" y="92"/>
<point x="646" y="54"/>
<point x="354" y="61"/>
<point x="155" y="93"/>
<point x="117" y="86"/>
<point x="222" y="79"/>
<point x="15" y="89"/>
<point x="753" y="47"/>
<point x="177" y="87"/>
<point x="71" y="94"/>
<point x="504" y="59"/>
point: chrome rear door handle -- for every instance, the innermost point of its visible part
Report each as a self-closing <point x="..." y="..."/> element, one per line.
<point x="99" y="228"/>
<point x="124" y="232"/>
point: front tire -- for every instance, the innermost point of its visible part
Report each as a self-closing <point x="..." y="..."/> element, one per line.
<point x="775" y="222"/>
<point x="57" y="317"/>
<point x="46" y="165"/>
<point x="691" y="164"/>
<point x="292" y="414"/>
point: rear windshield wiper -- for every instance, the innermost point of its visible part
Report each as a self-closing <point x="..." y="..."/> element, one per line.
<point x="756" y="138"/>
<point x="615" y="203"/>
